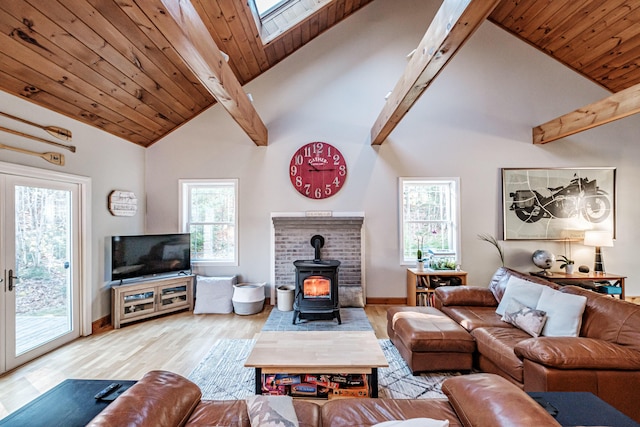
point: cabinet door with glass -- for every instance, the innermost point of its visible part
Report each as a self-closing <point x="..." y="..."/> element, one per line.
<point x="173" y="296"/>
<point x="137" y="303"/>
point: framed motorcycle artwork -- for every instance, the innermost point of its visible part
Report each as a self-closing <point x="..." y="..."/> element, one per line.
<point x="558" y="203"/>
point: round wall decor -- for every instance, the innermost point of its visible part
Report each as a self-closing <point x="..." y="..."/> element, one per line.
<point x="317" y="170"/>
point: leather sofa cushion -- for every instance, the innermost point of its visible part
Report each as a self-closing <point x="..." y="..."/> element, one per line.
<point x="399" y="312"/>
<point x="609" y="319"/>
<point x="368" y="412"/>
<point x="501" y="277"/>
<point x="578" y="353"/>
<point x="234" y="413"/>
<point x="464" y="295"/>
<point x="472" y="318"/>
<point x="433" y="333"/>
<point x="497" y="344"/>
<point x="159" y="399"/>
<point x="220" y="413"/>
<point x="489" y="400"/>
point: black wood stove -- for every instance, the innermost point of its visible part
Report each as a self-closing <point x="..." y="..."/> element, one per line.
<point x="316" y="294"/>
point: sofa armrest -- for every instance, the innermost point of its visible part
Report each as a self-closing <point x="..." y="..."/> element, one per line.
<point x="578" y="353"/>
<point x="159" y="399"/>
<point x="490" y="400"/>
<point x="464" y="295"/>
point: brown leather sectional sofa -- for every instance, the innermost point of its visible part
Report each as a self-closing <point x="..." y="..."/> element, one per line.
<point x="604" y="359"/>
<point x="163" y="398"/>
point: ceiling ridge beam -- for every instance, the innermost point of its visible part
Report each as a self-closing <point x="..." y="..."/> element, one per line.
<point x="190" y="37"/>
<point x="617" y="106"/>
<point x="453" y="24"/>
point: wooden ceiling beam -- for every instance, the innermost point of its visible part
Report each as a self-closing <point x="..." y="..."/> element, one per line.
<point x="454" y="23"/>
<point x="190" y="38"/>
<point x="617" y="106"/>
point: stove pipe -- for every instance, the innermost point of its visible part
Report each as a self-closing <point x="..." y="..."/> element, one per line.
<point x="317" y="242"/>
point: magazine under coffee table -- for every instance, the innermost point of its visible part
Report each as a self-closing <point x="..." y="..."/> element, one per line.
<point x="317" y="364"/>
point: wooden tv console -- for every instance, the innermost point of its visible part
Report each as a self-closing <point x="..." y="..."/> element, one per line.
<point x="150" y="298"/>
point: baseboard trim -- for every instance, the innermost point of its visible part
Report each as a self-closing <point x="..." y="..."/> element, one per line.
<point x="101" y="325"/>
<point x="387" y="301"/>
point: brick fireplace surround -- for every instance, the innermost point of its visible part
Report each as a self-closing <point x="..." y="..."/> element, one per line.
<point x="343" y="234"/>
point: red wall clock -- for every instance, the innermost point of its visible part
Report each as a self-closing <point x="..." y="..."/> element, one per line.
<point x="317" y="170"/>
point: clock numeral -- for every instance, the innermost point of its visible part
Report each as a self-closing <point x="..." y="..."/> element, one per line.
<point x="336" y="159"/>
<point x="318" y="148"/>
<point x="299" y="160"/>
<point x="336" y="182"/>
<point x="327" y="189"/>
<point x="298" y="181"/>
<point x="342" y="170"/>
<point x="294" y="170"/>
<point x="307" y="151"/>
<point x="307" y="188"/>
<point x="318" y="193"/>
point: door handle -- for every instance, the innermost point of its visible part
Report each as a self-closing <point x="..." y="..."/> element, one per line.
<point x="11" y="279"/>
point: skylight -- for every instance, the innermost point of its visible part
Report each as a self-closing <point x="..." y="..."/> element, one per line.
<point x="266" y="6"/>
<point x="276" y="17"/>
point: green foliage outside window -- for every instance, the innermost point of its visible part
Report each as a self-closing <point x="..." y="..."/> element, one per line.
<point x="428" y="218"/>
<point x="212" y="220"/>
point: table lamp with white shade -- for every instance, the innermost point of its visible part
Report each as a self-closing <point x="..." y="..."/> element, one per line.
<point x="598" y="238"/>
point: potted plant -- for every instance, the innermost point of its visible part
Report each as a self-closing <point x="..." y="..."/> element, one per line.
<point x="567" y="263"/>
<point x="420" y="259"/>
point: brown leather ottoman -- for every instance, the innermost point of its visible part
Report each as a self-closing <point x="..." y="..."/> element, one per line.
<point x="428" y="340"/>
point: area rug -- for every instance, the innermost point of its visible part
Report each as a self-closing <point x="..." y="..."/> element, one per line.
<point x="353" y="319"/>
<point x="222" y="376"/>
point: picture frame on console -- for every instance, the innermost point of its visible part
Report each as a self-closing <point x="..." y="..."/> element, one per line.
<point x="558" y="203"/>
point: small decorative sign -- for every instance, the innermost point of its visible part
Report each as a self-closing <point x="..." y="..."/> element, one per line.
<point x="123" y="203"/>
<point x="318" y="213"/>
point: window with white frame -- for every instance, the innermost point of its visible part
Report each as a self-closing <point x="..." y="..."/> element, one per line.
<point x="210" y="214"/>
<point x="429" y="219"/>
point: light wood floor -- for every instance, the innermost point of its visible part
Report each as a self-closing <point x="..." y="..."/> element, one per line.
<point x="175" y="343"/>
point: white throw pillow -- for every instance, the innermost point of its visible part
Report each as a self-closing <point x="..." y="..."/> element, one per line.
<point x="414" y="422"/>
<point x="564" y="313"/>
<point x="528" y="293"/>
<point x="213" y="294"/>
<point x="271" y="411"/>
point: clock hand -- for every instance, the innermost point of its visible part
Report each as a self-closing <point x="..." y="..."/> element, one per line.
<point x="320" y="170"/>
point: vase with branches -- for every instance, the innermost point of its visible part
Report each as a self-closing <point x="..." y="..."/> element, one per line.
<point x="490" y="239"/>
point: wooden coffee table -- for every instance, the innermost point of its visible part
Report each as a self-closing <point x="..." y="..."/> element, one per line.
<point x="335" y="362"/>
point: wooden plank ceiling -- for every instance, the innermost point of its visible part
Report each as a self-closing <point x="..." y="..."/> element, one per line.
<point x="107" y="64"/>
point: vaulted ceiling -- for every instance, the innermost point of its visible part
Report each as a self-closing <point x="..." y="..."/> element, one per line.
<point x="119" y="64"/>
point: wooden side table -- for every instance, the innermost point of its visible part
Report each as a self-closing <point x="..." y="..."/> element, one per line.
<point x="577" y="278"/>
<point x="422" y="282"/>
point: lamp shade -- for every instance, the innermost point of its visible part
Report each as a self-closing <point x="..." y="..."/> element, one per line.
<point x="598" y="238"/>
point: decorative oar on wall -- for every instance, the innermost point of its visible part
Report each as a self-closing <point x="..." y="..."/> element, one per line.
<point x="35" y="138"/>
<point x="60" y="133"/>
<point x="55" y="158"/>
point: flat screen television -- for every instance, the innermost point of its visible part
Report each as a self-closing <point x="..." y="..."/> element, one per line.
<point x="150" y="255"/>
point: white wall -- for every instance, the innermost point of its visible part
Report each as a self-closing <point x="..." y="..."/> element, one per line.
<point x="474" y="120"/>
<point x="112" y="164"/>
